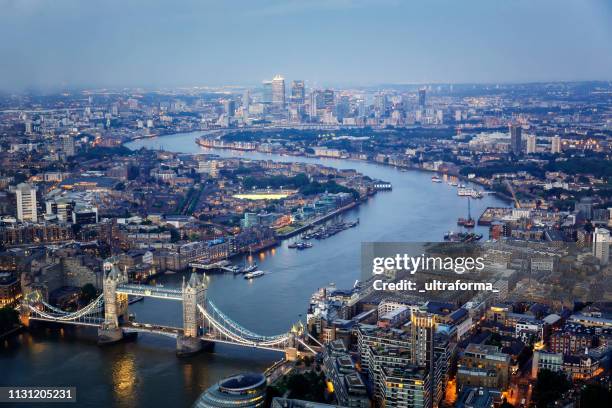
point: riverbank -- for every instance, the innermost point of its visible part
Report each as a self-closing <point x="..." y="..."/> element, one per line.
<point x="318" y="220"/>
<point x="255" y="147"/>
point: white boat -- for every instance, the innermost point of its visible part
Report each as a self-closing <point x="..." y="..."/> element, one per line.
<point x="252" y="275"/>
<point x="469" y="192"/>
<point x="436" y="179"/>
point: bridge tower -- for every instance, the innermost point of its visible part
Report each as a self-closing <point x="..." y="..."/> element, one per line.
<point x="115" y="305"/>
<point x="291" y="348"/>
<point x="194" y="294"/>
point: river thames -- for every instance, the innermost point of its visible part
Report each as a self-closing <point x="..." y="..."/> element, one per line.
<point x="147" y="372"/>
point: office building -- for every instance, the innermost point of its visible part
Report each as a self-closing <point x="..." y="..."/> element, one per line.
<point x="328" y="99"/>
<point x="26" y="202"/>
<point x="229" y="107"/>
<point x="601" y="245"/>
<point x="516" y="139"/>
<point x="267" y="92"/>
<point x="246" y="100"/>
<point x="314" y="104"/>
<point x="278" y="91"/>
<point x="298" y="92"/>
<point x="381" y="102"/>
<point x="422" y="96"/>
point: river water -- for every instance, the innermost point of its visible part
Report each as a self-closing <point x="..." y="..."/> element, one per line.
<point x="147" y="373"/>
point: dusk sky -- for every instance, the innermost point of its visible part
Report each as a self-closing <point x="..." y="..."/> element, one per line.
<point x="76" y="43"/>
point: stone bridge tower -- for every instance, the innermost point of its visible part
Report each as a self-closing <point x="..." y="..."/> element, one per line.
<point x="194" y="294"/>
<point x="115" y="305"/>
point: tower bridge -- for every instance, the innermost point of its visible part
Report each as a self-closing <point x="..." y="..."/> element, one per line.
<point x="203" y="322"/>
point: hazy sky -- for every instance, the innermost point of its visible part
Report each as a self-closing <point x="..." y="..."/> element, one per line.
<point x="76" y="43"/>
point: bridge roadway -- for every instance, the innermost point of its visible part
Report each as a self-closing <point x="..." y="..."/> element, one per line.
<point x="88" y="321"/>
<point x="134" y="327"/>
<point x="159" y="292"/>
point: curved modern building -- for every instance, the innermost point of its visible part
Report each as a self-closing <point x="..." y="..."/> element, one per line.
<point x="246" y="390"/>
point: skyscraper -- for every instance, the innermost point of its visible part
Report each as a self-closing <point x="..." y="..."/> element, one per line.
<point x="555" y="145"/>
<point x="229" y="107"/>
<point x="531" y="144"/>
<point x="601" y="245"/>
<point x="516" y="139"/>
<point x="298" y="92"/>
<point x="328" y="99"/>
<point x="26" y="202"/>
<point x="246" y="100"/>
<point x="314" y="105"/>
<point x="422" y="95"/>
<point x="381" y="102"/>
<point x="267" y="92"/>
<point x="278" y="91"/>
<point x="422" y="330"/>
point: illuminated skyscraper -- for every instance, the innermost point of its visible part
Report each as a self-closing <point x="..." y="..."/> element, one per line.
<point x="278" y="91"/>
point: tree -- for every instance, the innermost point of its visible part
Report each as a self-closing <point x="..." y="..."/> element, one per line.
<point x="549" y="387"/>
<point x="88" y="293"/>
